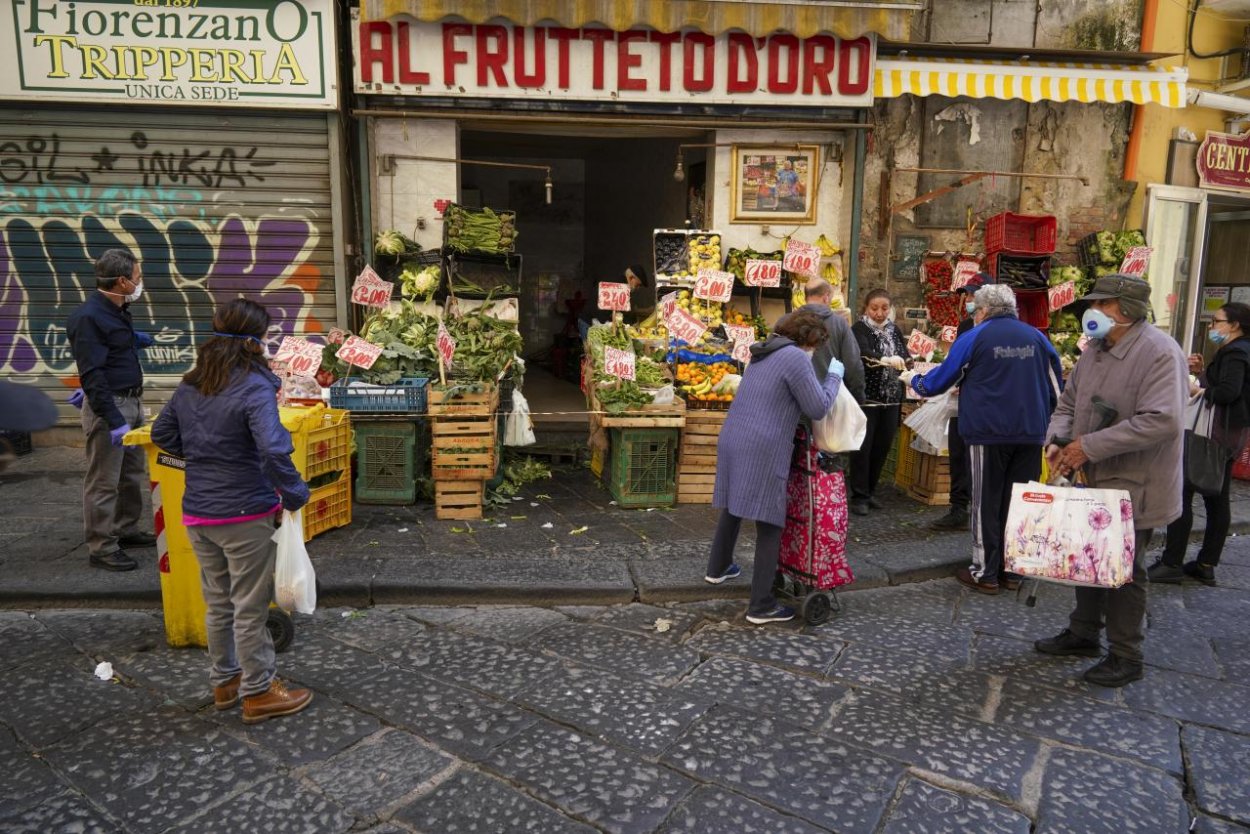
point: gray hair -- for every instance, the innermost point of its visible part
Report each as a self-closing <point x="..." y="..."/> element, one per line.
<point x="817" y="287"/>
<point x="113" y="264"/>
<point x="995" y="300"/>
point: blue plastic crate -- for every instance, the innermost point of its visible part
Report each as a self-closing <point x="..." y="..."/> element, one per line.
<point x="406" y="396"/>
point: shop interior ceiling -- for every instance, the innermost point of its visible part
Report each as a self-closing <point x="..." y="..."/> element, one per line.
<point x="578" y="130"/>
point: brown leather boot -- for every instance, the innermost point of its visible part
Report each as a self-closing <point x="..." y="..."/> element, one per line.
<point x="227" y="695"/>
<point x="277" y="701"/>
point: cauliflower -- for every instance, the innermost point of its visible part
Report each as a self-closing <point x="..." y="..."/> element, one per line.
<point x="421" y="284"/>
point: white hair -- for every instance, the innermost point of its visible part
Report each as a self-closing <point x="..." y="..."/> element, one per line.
<point x="995" y="300"/>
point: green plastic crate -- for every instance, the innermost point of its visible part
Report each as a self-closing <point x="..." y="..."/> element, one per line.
<point x="642" y="467"/>
<point x="390" y="456"/>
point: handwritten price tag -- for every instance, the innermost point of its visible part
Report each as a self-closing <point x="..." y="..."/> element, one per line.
<point x="919" y="344"/>
<point x="949" y="334"/>
<point x="369" y="290"/>
<point x="762" y="274"/>
<point x="356" y="351"/>
<point x="302" y="357"/>
<point x="742" y="352"/>
<point x="803" y="258"/>
<point x="739" y="333"/>
<point x="446" y="345"/>
<point x="1062" y="295"/>
<point x="1082" y="342"/>
<point x="687" y="328"/>
<point x="668" y="304"/>
<point x="964" y="272"/>
<point x="714" y="285"/>
<point x="1136" y="260"/>
<point x="613" y="297"/>
<point x="619" y="363"/>
<point x="336" y="336"/>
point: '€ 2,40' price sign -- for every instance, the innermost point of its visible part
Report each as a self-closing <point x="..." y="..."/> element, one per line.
<point x="714" y="285"/>
<point x="683" y="326"/>
<point x="301" y="357"/>
<point x="762" y="273"/>
<point x="356" y="351"/>
<point x="803" y="258"/>
<point x="369" y="290"/>
<point x="918" y="344"/>
<point x="614" y="297"/>
<point x="1061" y="295"/>
<point x="618" y="363"/>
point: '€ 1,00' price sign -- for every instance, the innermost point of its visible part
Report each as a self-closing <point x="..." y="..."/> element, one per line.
<point x="613" y="296"/>
<point x="762" y="273"/>
<point x="301" y="357"/>
<point x="618" y="363"/>
<point x="714" y="285"/>
<point x="356" y="351"/>
<point x="446" y="345"/>
<point x="803" y="258"/>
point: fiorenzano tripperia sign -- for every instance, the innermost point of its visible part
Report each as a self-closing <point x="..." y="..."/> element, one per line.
<point x="243" y="53"/>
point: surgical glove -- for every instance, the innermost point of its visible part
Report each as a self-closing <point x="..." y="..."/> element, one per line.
<point x="907" y="376"/>
<point x="117" y="434"/>
<point x="898" y="363"/>
<point x="143" y="340"/>
<point x="76" y="398"/>
<point x="836" y="367"/>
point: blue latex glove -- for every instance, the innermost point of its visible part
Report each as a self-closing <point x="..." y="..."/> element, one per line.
<point x="836" y="367"/>
<point x="117" y="434"/>
<point x="143" y="340"/>
<point x="76" y="398"/>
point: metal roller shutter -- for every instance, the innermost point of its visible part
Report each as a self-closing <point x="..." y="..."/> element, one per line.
<point x="214" y="205"/>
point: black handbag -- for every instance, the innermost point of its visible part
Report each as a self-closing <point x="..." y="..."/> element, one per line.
<point x="1206" y="460"/>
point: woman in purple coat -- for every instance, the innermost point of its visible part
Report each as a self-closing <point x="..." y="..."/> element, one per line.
<point x="754" y="450"/>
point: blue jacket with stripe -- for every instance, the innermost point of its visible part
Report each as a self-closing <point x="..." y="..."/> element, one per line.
<point x="1009" y="380"/>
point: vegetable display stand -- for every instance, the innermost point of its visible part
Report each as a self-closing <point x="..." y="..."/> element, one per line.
<point x="464" y="448"/>
<point x="670" y="416"/>
<point x="329" y="506"/>
<point x="642" y="467"/>
<point x="390" y="456"/>
<point x="469" y="399"/>
<point x="404" y="396"/>
<point x="932" y="484"/>
<point x="696" y="459"/>
<point x="458" y="500"/>
<point x="478" y="275"/>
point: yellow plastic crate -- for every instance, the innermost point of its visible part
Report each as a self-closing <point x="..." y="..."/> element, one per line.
<point x="907" y="459"/>
<point x="329" y="506"/>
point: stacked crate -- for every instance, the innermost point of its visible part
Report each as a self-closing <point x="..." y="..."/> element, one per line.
<point x="1020" y="247"/>
<point x="696" y="460"/>
<point x="464" y="448"/>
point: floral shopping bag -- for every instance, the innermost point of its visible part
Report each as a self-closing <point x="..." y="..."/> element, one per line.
<point x="1073" y="535"/>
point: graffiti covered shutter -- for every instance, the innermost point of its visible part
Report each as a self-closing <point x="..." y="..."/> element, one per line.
<point x="215" y="206"/>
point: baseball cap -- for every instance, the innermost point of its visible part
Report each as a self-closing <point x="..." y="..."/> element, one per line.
<point x="976" y="282"/>
<point x="1119" y="286"/>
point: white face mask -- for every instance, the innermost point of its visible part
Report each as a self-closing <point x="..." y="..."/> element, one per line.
<point x="135" y="294"/>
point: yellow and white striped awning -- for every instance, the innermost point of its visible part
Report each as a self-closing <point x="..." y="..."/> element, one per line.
<point x="898" y="76"/>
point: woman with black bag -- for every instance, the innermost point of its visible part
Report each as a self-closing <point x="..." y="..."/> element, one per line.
<point x="1223" y="385"/>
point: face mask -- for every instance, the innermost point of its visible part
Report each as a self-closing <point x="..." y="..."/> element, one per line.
<point x="134" y="295"/>
<point x="1217" y="337"/>
<point x="971" y="307"/>
<point x="1096" y="324"/>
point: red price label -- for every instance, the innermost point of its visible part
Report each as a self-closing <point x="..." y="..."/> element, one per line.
<point x="1082" y="343"/>
<point x="618" y="363"/>
<point x="302" y="357"/>
<point x="667" y="305"/>
<point x="949" y="334"/>
<point x="336" y="336"/>
<point x="762" y="274"/>
<point x="739" y="333"/>
<point x="613" y="297"/>
<point x="446" y="345"/>
<point x="1062" y="295"/>
<point x="356" y="351"/>
<point x="742" y="352"/>
<point x="1136" y="260"/>
<point x="919" y="344"/>
<point x="687" y="328"/>
<point x="369" y="290"/>
<point x="714" y="285"/>
<point x="964" y="272"/>
<point x="803" y="258"/>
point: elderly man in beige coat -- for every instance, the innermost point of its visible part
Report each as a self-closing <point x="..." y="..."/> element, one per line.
<point x="1140" y="371"/>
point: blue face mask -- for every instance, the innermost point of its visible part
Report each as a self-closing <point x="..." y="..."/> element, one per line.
<point x="1217" y="337"/>
<point x="1096" y="324"/>
<point x="971" y="307"/>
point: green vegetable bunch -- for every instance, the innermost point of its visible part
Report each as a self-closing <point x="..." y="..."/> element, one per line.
<point x="480" y="231"/>
<point x="484" y="345"/>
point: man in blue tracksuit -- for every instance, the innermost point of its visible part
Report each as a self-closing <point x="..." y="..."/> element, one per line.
<point x="1009" y="380"/>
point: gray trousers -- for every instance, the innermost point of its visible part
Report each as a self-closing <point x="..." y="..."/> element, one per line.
<point x="112" y="494"/>
<point x="236" y="575"/>
<point x="1123" y="609"/>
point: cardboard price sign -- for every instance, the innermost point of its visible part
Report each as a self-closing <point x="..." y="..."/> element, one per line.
<point x="687" y="328"/>
<point x="742" y="352"/>
<point x="356" y="351"/>
<point x="302" y="357"/>
<point x="1136" y="260"/>
<point x="445" y="344"/>
<point x="619" y="363"/>
<point x="919" y="344"/>
<point x="369" y="290"/>
<point x="803" y="258"/>
<point x="739" y="333"/>
<point x="668" y="304"/>
<point x="949" y="333"/>
<point x="762" y="274"/>
<point x="1062" y="295"/>
<point x="964" y="272"/>
<point x="614" y="297"/>
<point x="714" y="285"/>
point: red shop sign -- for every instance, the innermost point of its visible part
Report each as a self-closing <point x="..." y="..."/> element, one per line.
<point x="1224" y="161"/>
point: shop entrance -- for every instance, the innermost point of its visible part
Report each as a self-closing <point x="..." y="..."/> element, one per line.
<point x="611" y="188"/>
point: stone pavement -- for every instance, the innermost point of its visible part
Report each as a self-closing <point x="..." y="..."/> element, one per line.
<point x="920" y="708"/>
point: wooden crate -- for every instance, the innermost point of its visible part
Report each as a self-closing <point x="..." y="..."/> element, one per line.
<point x="458" y="499"/>
<point x="463" y="448"/>
<point x="932" y="485"/>
<point x="670" y="416"/>
<point x="469" y="400"/>
<point x="696" y="460"/>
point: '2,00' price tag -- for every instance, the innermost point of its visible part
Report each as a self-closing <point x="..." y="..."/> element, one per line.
<point x="714" y="285"/>
<point x="356" y="351"/>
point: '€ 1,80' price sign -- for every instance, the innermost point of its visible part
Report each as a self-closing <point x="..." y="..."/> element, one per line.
<point x="803" y="258"/>
<point x="762" y="273"/>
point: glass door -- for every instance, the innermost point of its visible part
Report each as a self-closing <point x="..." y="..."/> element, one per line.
<point x="1176" y="220"/>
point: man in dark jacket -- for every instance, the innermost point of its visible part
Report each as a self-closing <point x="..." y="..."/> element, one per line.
<point x="841" y="345"/>
<point x="1008" y="375"/>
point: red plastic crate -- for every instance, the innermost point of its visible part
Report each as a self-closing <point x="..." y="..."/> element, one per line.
<point x="1241" y="465"/>
<point x="1033" y="307"/>
<point x="1027" y="234"/>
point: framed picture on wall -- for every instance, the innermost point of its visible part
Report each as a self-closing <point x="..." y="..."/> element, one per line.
<point x="774" y="184"/>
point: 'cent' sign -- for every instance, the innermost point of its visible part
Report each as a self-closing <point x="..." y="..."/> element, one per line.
<point x="1224" y="161"/>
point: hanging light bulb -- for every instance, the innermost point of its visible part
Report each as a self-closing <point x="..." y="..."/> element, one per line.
<point x="679" y="173"/>
<point x="547" y="185"/>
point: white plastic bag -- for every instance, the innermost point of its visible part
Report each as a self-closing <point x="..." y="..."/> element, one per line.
<point x="931" y="423"/>
<point x="294" y="580"/>
<point x="520" y="428"/>
<point x="844" y="427"/>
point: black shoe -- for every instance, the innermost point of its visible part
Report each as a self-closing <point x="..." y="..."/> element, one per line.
<point x="875" y="504"/>
<point x="953" y="520"/>
<point x="1163" y="573"/>
<point x="1067" y="643"/>
<point x="1010" y="581"/>
<point x="1113" y="671"/>
<point x="859" y="507"/>
<point x="1196" y="570"/>
<point x="117" y="560"/>
<point x="778" y="614"/>
<point x="137" y="539"/>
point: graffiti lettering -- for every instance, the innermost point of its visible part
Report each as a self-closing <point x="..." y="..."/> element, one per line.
<point x="205" y="168"/>
<point x="37" y="157"/>
<point x="76" y="201"/>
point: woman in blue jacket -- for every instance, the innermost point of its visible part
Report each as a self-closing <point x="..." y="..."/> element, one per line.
<point x="223" y="420"/>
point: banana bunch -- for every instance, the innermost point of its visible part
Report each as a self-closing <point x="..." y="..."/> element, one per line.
<point x="830" y="269"/>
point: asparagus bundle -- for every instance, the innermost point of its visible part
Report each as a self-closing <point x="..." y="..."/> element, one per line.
<point x="480" y="231"/>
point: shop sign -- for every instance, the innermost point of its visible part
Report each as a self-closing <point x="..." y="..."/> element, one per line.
<point x="714" y="285"/>
<point x="802" y="258"/>
<point x="1224" y="161"/>
<point x="618" y="363"/>
<point x="445" y="344"/>
<point x="1136" y="260"/>
<point x="762" y="273"/>
<point x="244" y="53"/>
<point x="369" y="290"/>
<point x="965" y="271"/>
<point x="919" y="344"/>
<point x="301" y="357"/>
<point x="418" y="58"/>
<point x="613" y="297"/>
<point x="1061" y="295"/>
<point x="1213" y="298"/>
<point x="356" y="351"/>
<point x="685" y="327"/>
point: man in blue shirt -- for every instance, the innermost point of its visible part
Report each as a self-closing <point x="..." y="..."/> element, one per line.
<point x="1009" y="383"/>
<point x="106" y="350"/>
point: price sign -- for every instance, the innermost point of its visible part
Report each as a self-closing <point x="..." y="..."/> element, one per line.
<point x="949" y="333"/>
<point x="618" y="363"/>
<point x="687" y="328"/>
<point x="1082" y="343"/>
<point x="714" y="285"/>
<point x="964" y="272"/>
<point x="336" y="336"/>
<point x="356" y="351"/>
<point x="445" y="344"/>
<point x="613" y="297"/>
<point x="739" y="333"/>
<point x="369" y="290"/>
<point x="742" y="352"/>
<point x="919" y="344"/>
<point x="302" y="357"/>
<point x="1136" y="260"/>
<point x="1062" y="295"/>
<point x="762" y="274"/>
<point x="668" y="304"/>
<point x="803" y="258"/>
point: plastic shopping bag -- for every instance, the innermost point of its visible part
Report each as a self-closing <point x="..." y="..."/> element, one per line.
<point x="519" y="430"/>
<point x="294" y="580"/>
<point x="844" y="427"/>
<point x="931" y="423"/>
<point x="1071" y="535"/>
